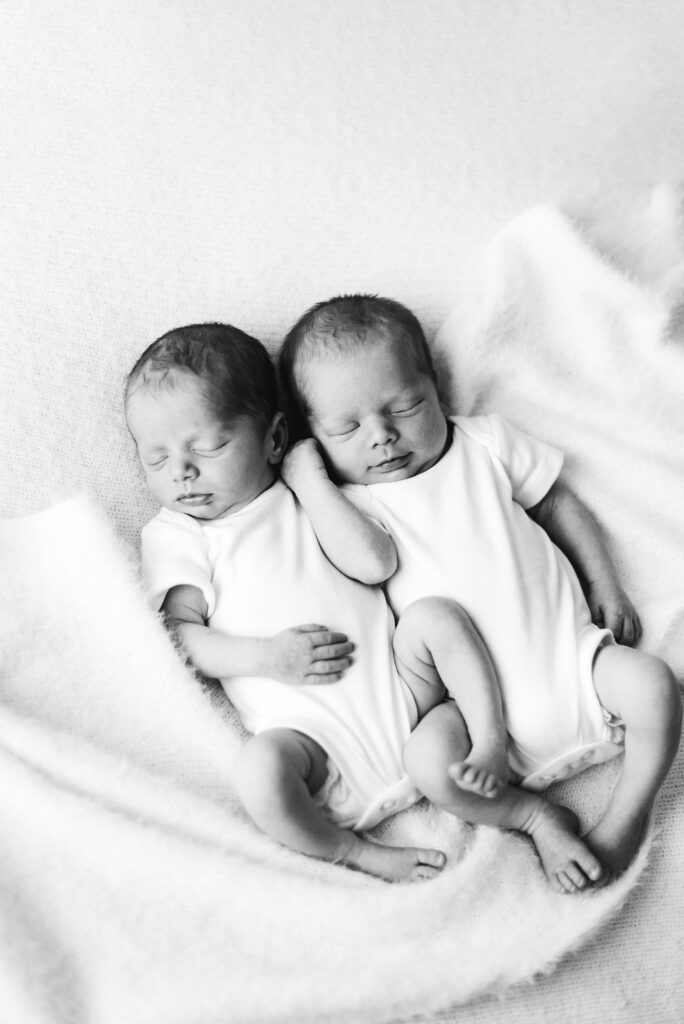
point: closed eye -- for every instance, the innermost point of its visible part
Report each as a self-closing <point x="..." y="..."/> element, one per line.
<point x="343" y="431"/>
<point x="155" y="461"/>
<point x="408" y="408"/>
<point x="209" y="452"/>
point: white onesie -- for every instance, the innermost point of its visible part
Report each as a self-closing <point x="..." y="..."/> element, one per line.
<point x="261" y="570"/>
<point x="462" y="532"/>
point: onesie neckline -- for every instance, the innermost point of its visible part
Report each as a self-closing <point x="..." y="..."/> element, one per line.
<point x="270" y="494"/>
<point x="434" y="469"/>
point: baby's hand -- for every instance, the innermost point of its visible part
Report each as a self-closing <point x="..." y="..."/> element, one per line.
<point x="610" y="607"/>
<point x="309" y="655"/>
<point x="301" y="461"/>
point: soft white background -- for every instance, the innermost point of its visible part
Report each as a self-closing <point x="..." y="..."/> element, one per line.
<point x="169" y="162"/>
<point x="173" y="160"/>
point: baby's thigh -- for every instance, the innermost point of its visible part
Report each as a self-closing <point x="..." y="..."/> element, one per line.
<point x="431" y="632"/>
<point x="635" y="686"/>
<point x="275" y="756"/>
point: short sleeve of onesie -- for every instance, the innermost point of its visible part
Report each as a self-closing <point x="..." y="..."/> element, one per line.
<point x="174" y="552"/>
<point x="531" y="465"/>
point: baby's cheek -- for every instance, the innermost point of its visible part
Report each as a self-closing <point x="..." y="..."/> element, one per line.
<point x="352" y="472"/>
<point x="334" y="464"/>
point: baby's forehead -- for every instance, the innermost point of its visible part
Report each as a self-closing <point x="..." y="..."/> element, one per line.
<point x="347" y="351"/>
<point x="372" y="357"/>
<point x="361" y="384"/>
<point x="164" y="405"/>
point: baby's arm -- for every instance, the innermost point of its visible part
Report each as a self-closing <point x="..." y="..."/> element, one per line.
<point x="356" y="545"/>
<point x="306" y="655"/>
<point x="571" y="526"/>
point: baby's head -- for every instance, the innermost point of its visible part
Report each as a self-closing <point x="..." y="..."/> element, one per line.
<point x="360" y="377"/>
<point x="202" y="407"/>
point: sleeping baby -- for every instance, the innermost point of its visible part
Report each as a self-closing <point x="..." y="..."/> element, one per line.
<point x="471" y="509"/>
<point x="232" y="560"/>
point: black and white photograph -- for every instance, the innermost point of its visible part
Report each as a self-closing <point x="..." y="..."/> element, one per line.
<point x="341" y="511"/>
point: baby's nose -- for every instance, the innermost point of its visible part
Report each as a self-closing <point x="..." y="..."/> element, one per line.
<point x="183" y="469"/>
<point x="382" y="430"/>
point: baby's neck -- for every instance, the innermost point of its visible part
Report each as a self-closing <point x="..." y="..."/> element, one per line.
<point x="447" y="445"/>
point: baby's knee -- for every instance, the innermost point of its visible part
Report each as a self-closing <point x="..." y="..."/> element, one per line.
<point x="659" y="678"/>
<point x="261" y="765"/>
<point x="669" y="695"/>
<point x="431" y="619"/>
<point x="434" y="609"/>
<point x="656" y="697"/>
<point x="436" y="743"/>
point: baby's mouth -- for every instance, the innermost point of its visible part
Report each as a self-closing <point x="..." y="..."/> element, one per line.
<point x="194" y="500"/>
<point x="389" y="465"/>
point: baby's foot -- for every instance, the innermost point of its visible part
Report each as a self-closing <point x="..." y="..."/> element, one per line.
<point x="476" y="780"/>
<point x="568" y="862"/>
<point x="394" y="863"/>
<point x="616" y="843"/>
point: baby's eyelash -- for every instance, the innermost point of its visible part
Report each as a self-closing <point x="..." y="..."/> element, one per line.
<point x="343" y="433"/>
<point x="407" y="408"/>
<point x="210" y="451"/>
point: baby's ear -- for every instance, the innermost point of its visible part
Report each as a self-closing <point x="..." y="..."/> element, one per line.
<point x="276" y="439"/>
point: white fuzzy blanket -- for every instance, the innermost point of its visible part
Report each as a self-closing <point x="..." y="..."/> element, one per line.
<point x="132" y="888"/>
<point x="577" y="335"/>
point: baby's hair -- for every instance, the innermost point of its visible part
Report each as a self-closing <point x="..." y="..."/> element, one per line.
<point x="237" y="375"/>
<point x="344" y="324"/>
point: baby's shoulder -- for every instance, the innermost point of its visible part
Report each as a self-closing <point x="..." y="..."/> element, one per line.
<point x="483" y="428"/>
<point x="489" y="430"/>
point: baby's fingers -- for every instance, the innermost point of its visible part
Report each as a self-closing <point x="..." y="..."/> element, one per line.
<point x="333" y="651"/>
<point x="326" y="638"/>
<point x="332" y="661"/>
<point x="327" y="671"/>
<point x="636" y="627"/>
<point x="629" y="630"/>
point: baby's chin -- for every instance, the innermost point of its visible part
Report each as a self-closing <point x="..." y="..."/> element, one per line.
<point x="391" y="477"/>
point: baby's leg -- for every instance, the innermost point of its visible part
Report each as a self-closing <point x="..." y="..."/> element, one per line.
<point x="439" y="742"/>
<point x="641" y="690"/>
<point x="275" y="775"/>
<point x="438" y="651"/>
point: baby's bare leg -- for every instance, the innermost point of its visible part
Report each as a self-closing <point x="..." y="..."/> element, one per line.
<point x="441" y="740"/>
<point x="641" y="690"/>
<point x="438" y="651"/>
<point x="275" y="775"/>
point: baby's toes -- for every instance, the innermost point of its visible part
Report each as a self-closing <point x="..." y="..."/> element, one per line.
<point x="431" y="859"/>
<point x="576" y="876"/>
<point x="565" y="882"/>
<point x="423" y="872"/>
<point x="492" y="785"/>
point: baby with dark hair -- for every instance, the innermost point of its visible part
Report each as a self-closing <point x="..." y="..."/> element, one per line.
<point x="471" y="509"/>
<point x="234" y="564"/>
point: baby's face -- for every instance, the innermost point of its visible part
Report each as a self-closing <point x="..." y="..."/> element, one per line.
<point x="194" y="463"/>
<point x="375" y="418"/>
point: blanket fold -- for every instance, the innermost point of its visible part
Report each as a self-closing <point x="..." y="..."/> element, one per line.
<point x="132" y="886"/>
